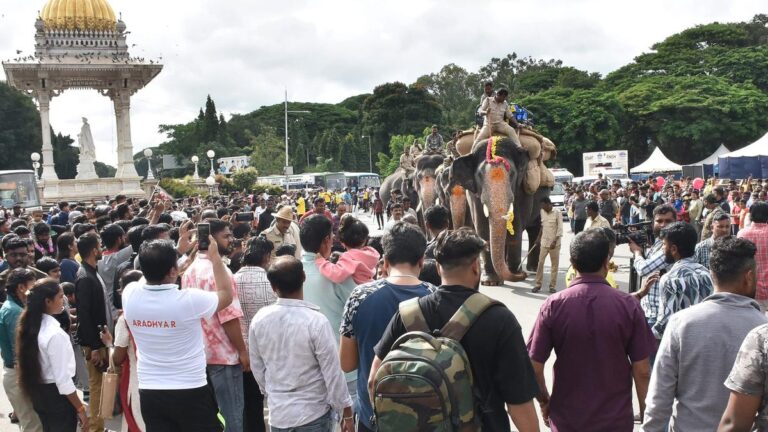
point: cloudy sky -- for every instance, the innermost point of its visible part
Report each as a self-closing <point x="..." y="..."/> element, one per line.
<point x="244" y="53"/>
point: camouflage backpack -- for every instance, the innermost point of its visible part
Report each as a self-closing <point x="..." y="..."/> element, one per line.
<point x="425" y="383"/>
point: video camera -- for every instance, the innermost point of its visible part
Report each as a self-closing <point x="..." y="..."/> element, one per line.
<point x="640" y="233"/>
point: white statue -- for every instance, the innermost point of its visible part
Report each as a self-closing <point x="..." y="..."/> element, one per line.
<point x="85" y="140"/>
<point x="85" y="169"/>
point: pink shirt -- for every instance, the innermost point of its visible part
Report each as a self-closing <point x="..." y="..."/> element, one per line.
<point x="219" y="350"/>
<point x="757" y="233"/>
<point x="358" y="263"/>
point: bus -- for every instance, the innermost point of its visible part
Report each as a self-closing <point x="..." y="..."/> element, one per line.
<point x="19" y="187"/>
<point x="326" y="180"/>
<point x="362" y="180"/>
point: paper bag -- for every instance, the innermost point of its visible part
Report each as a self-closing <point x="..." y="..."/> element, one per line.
<point x="110" y="381"/>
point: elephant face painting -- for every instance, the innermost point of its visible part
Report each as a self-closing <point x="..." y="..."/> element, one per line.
<point x="493" y="174"/>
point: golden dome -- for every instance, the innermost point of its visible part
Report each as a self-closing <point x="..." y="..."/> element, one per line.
<point x="78" y="14"/>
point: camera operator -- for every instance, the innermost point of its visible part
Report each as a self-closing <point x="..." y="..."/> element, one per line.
<point x="649" y="264"/>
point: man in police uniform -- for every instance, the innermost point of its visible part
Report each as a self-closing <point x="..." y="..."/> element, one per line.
<point x="282" y="232"/>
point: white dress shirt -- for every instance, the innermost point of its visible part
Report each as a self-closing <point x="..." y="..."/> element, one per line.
<point x="295" y="360"/>
<point x="57" y="358"/>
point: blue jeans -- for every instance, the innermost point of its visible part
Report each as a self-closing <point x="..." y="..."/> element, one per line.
<point x="323" y="424"/>
<point x="227" y="384"/>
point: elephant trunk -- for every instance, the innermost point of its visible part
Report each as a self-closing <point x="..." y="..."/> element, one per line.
<point x="426" y="192"/>
<point x="501" y="201"/>
<point x="458" y="204"/>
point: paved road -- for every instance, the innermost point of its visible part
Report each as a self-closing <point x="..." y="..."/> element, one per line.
<point x="517" y="296"/>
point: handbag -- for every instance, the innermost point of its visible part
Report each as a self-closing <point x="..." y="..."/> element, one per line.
<point x="109" y="384"/>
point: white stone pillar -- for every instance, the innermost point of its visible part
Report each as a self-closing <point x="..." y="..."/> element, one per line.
<point x="44" y="100"/>
<point x="125" y="167"/>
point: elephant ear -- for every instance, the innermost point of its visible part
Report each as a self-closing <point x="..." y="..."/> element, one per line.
<point x="462" y="172"/>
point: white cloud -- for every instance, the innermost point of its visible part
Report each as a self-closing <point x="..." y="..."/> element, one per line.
<point x="244" y="53"/>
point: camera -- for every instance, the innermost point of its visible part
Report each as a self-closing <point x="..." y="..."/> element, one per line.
<point x="640" y="233"/>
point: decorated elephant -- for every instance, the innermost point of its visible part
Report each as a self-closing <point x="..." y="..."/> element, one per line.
<point x="493" y="173"/>
<point x="452" y="196"/>
<point x="424" y="180"/>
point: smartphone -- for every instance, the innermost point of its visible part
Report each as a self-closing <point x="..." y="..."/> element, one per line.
<point x="203" y="231"/>
<point x="244" y="217"/>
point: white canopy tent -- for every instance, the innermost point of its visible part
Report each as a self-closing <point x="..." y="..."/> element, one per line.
<point x="752" y="160"/>
<point x="712" y="159"/>
<point x="657" y="162"/>
<point x="757" y="148"/>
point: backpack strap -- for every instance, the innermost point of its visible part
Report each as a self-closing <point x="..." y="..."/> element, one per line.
<point x="463" y="319"/>
<point x="412" y="316"/>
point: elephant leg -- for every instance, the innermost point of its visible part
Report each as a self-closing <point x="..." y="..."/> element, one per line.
<point x="489" y="277"/>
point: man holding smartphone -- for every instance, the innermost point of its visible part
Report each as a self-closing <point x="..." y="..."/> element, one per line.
<point x="165" y="324"/>
<point x="226" y="355"/>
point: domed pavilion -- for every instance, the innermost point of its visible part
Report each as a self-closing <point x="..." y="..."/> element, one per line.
<point x="81" y="44"/>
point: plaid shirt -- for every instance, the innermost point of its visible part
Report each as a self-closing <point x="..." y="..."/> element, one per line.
<point x="703" y="251"/>
<point x="757" y="233"/>
<point x="687" y="283"/>
<point x="644" y="267"/>
<point x="254" y="292"/>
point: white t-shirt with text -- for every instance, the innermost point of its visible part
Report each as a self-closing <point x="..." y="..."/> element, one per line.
<point x="165" y="324"/>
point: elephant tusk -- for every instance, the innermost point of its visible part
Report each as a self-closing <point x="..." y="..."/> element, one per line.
<point x="485" y="210"/>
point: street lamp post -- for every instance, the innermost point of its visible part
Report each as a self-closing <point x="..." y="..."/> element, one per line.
<point x="370" y="157"/>
<point x="195" y="160"/>
<point x="36" y="164"/>
<point x="211" y="155"/>
<point x="210" y="181"/>
<point x="286" y="136"/>
<point x="148" y="155"/>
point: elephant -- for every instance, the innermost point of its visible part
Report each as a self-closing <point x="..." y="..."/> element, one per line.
<point x="493" y="178"/>
<point x="424" y="180"/>
<point x="395" y="181"/>
<point x="452" y="196"/>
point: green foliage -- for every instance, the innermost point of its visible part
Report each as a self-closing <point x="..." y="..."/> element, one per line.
<point x="268" y="155"/>
<point x="457" y="91"/>
<point x="388" y="162"/>
<point x="260" y="188"/>
<point x="178" y="188"/>
<point x="65" y="157"/>
<point x="398" y="109"/>
<point x="20" y="133"/>
<point x="103" y="170"/>
<point x="245" y="178"/>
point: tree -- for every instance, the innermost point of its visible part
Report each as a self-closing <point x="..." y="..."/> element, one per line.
<point x="20" y="133"/>
<point x="268" y="156"/>
<point x="103" y="170"/>
<point x="577" y="121"/>
<point x="388" y="162"/>
<point x="398" y="109"/>
<point x="65" y="157"/>
<point x="457" y="91"/>
<point x="245" y="178"/>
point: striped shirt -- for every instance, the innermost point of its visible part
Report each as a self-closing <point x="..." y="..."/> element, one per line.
<point x="644" y="268"/>
<point x="757" y="233"/>
<point x="254" y="292"/>
<point x="687" y="283"/>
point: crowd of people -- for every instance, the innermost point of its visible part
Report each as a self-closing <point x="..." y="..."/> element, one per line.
<point x="211" y="310"/>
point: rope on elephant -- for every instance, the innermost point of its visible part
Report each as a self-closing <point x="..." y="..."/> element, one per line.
<point x="490" y="153"/>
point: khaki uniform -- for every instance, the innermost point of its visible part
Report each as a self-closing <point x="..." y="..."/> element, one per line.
<point x="499" y="115"/>
<point x="551" y="232"/>
<point x="279" y="239"/>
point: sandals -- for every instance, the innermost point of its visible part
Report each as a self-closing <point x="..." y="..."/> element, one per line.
<point x="536" y="289"/>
